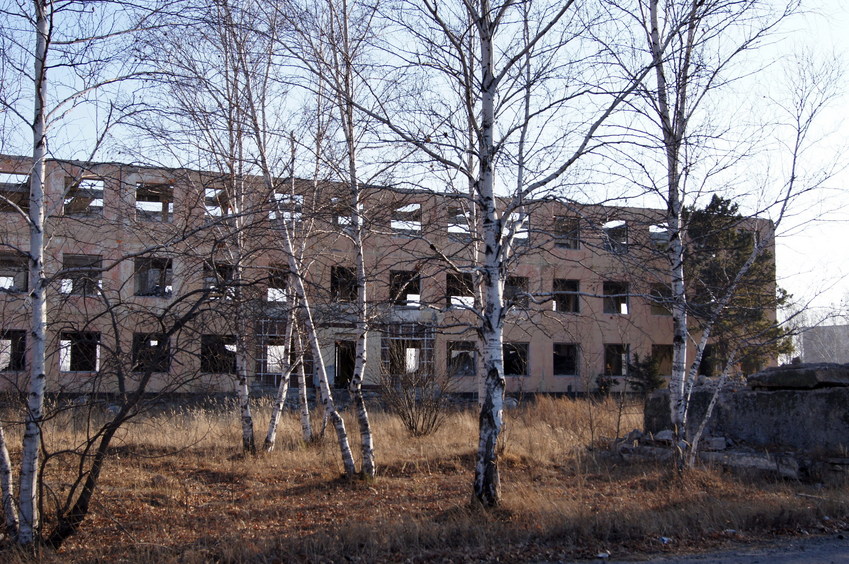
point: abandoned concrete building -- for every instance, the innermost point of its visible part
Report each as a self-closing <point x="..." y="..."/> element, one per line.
<point x="132" y="249"/>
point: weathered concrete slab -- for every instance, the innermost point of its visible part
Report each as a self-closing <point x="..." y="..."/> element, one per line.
<point x="815" y="422"/>
<point x="801" y="376"/>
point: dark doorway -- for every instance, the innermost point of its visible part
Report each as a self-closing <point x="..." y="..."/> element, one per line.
<point x="346" y="355"/>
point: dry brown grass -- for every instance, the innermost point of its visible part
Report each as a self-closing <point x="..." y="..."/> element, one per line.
<point x="178" y="490"/>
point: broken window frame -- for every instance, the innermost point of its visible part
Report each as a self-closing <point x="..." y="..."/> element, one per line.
<point x="516" y="358"/>
<point x="462" y="359"/>
<point x="79" y="351"/>
<point x="14" y="191"/>
<point x="277" y="285"/>
<point x="83" y="197"/>
<point x="459" y="290"/>
<point x="218" y="354"/>
<point x="566" y="298"/>
<point x="615" y="297"/>
<point x="459" y="223"/>
<point x="565" y="359"/>
<point x="155" y="202"/>
<point x="288" y="207"/>
<point x="13" y="350"/>
<point x="216" y="202"/>
<point x="85" y="276"/>
<point x="14" y="274"/>
<point x="405" y="288"/>
<point x="343" y="284"/>
<point x="219" y="277"/>
<point x="154" y="277"/>
<point x="151" y="353"/>
<point x="567" y="232"/>
<point x="521" y="226"/>
<point x="617" y="358"/>
<point x="407" y="219"/>
<point x="615" y="236"/>
<point x="516" y="292"/>
<point x="659" y="235"/>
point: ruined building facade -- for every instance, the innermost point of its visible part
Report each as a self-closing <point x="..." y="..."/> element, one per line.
<point x="133" y="250"/>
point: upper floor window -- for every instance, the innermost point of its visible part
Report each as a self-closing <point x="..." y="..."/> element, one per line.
<point x="278" y="282"/>
<point x="79" y="351"/>
<point x="404" y="288"/>
<point x="407" y="219"/>
<point x="566" y="297"/>
<point x="615" y="235"/>
<point x="219" y="277"/>
<point x="217" y="202"/>
<point x="82" y="276"/>
<point x="154" y="277"/>
<point x="659" y="235"/>
<point x="459" y="223"/>
<point x="14" y="272"/>
<point x="83" y="197"/>
<point x="567" y="233"/>
<point x="13" y="350"/>
<point x="343" y="284"/>
<point x="288" y="207"/>
<point x="459" y="289"/>
<point x="520" y="223"/>
<point x="14" y="192"/>
<point x="155" y="202"/>
<point x="516" y="291"/>
<point x="615" y="297"/>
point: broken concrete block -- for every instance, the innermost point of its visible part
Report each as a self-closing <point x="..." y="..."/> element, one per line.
<point x="713" y="443"/>
<point x="665" y="436"/>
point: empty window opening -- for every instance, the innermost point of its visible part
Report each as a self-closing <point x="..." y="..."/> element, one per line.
<point x="459" y="223"/>
<point x="660" y="297"/>
<point x="84" y="197"/>
<point x="662" y="356"/>
<point x="288" y="207"/>
<point x="566" y="297"/>
<point x="516" y="291"/>
<point x="218" y="354"/>
<point x="155" y="202"/>
<point x="659" y="235"/>
<point x="14" y="192"/>
<point x="405" y="288"/>
<point x="219" y="278"/>
<point x="616" y="359"/>
<point x="711" y="363"/>
<point x="79" y="352"/>
<point x="216" y="202"/>
<point x="13" y="350"/>
<point x="14" y="273"/>
<point x="565" y="359"/>
<point x="341" y="214"/>
<point x="462" y="358"/>
<point x="407" y="219"/>
<point x="520" y="224"/>
<point x="615" y="235"/>
<point x="278" y="283"/>
<point x="567" y="233"/>
<point x="343" y="284"/>
<point x="151" y="353"/>
<point x="407" y="349"/>
<point x="459" y="289"/>
<point x="82" y="276"/>
<point x="615" y="297"/>
<point x="405" y="357"/>
<point x="273" y="360"/>
<point x="154" y="277"/>
<point x="346" y="357"/>
<point x="515" y="359"/>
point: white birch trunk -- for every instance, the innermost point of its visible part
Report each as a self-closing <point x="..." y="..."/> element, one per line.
<point x="303" y="400"/>
<point x="283" y="388"/>
<point x="487" y="484"/>
<point x="28" y="513"/>
<point x="7" y="488"/>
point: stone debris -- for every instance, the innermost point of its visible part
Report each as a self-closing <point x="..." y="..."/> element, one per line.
<point x="800" y="377"/>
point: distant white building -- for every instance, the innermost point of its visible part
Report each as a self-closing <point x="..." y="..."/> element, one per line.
<point x="828" y="343"/>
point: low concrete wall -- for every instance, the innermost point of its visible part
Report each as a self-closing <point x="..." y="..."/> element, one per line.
<point x="815" y="422"/>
